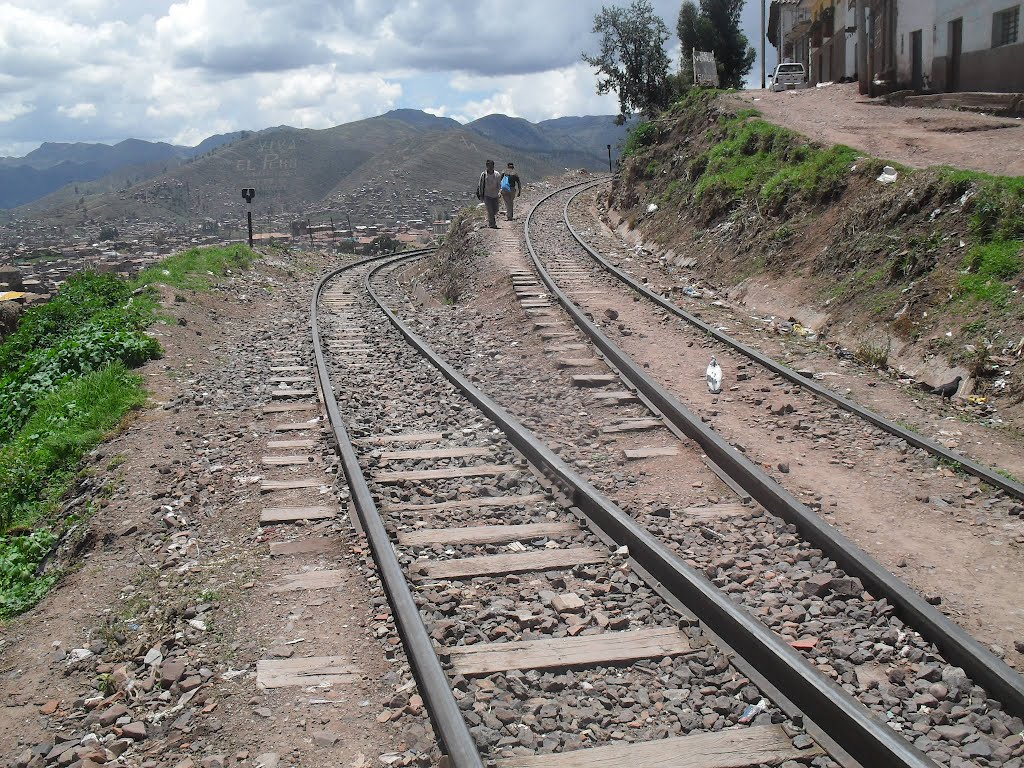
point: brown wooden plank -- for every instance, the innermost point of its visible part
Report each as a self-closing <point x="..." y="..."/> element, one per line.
<point x="730" y="748"/>
<point x="286" y="461"/>
<point x="410" y="437"/>
<point x="480" y="470"/>
<point x="474" y="502"/>
<point x="297" y="426"/>
<point x="717" y="511"/>
<point x="518" y="562"/>
<point x="563" y="652"/>
<point x="290" y="514"/>
<point x="580" y="362"/>
<point x="632" y="425"/>
<point x="289" y="379"/>
<point x="548" y="335"/>
<point x="284" y="393"/>
<point x="283" y="673"/>
<point x="287" y="485"/>
<point x="297" y="582"/>
<point x="594" y="379"/>
<point x="288" y="368"/>
<point x="437" y="453"/>
<point x="300" y="443"/>
<point x="285" y="407"/>
<point x="621" y="399"/>
<point x="485" y="534"/>
<point x="651" y="451"/>
<point x="313" y="546"/>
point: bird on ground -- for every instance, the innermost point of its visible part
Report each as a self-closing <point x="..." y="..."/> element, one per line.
<point x="714" y="377"/>
<point x="946" y="391"/>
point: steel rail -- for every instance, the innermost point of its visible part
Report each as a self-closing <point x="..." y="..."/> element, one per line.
<point x="845" y="720"/>
<point x="958" y="647"/>
<point x="975" y="468"/>
<point x="446" y="718"/>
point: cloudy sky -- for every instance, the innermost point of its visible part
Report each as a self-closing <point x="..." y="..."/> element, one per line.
<point x="106" y="70"/>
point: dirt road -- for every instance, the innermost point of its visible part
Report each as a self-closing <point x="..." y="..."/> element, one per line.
<point x="920" y="138"/>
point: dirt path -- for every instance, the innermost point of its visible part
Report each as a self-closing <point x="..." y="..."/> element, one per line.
<point x="147" y="652"/>
<point x="920" y="138"/>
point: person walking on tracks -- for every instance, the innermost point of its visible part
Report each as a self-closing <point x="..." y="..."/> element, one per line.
<point x="511" y="188"/>
<point x="488" y="190"/>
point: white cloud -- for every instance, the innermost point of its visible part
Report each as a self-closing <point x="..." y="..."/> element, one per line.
<point x="168" y="69"/>
<point x="80" y="111"/>
<point x="11" y="109"/>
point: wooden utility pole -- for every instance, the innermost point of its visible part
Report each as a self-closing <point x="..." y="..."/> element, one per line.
<point x="763" y="63"/>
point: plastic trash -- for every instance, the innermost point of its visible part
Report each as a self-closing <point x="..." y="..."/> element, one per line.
<point x="753" y="710"/>
<point x="888" y="175"/>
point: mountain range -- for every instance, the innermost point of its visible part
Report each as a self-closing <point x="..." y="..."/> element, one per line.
<point x="295" y="168"/>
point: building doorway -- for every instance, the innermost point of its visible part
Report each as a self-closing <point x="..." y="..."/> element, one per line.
<point x="956" y="44"/>
<point x="916" y="61"/>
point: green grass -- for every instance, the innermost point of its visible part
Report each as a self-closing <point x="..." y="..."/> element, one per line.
<point x="996" y="205"/>
<point x="197" y="268"/>
<point x="64" y="386"/>
<point x="989" y="266"/>
<point x="643" y="135"/>
<point x="759" y="161"/>
<point x="39" y="462"/>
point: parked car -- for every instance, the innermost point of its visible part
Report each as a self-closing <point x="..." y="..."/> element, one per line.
<point x="788" y="77"/>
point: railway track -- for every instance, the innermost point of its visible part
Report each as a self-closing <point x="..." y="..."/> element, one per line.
<point x="545" y="620"/>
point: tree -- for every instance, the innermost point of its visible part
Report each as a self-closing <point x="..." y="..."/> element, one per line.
<point x="716" y="27"/>
<point x="632" y="61"/>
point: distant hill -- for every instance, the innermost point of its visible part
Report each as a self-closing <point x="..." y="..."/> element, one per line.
<point x="55" y="164"/>
<point x="304" y="169"/>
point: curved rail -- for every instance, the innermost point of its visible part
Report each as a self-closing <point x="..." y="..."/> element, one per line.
<point x="449" y="725"/>
<point x="980" y="471"/>
<point x="844" y="719"/>
<point x="955" y="644"/>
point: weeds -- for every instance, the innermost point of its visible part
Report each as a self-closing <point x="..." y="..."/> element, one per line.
<point x="38" y="464"/>
<point x="988" y="266"/>
<point x="644" y="135"/>
<point x="197" y="268"/>
<point x="874" y="355"/>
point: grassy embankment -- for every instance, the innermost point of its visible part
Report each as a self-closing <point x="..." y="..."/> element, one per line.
<point x="898" y="244"/>
<point x="65" y="384"/>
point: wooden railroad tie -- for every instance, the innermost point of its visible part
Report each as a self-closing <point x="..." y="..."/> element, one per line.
<point x="518" y="562"/>
<point x="729" y="748"/>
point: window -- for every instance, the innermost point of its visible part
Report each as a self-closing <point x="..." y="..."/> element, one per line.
<point x="1005" y="27"/>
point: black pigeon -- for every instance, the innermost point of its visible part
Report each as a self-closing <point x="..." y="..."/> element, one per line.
<point x="946" y="391"/>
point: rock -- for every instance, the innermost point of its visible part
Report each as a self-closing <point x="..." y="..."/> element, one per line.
<point x="267" y="760"/>
<point x="782" y="408"/>
<point x="119" y="747"/>
<point x="568" y="602"/>
<point x="171" y="672"/>
<point x="847" y="586"/>
<point x="109" y="716"/>
<point x="817" y="585"/>
<point x="611" y="314"/>
<point x="325" y="738"/>
<point x="784" y="467"/>
<point x="956" y="733"/>
<point x="49" y="707"/>
<point x="955" y="678"/>
<point x="135" y="731"/>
